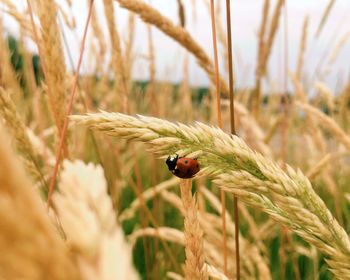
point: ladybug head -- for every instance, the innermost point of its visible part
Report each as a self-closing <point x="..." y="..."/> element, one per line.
<point x="171" y="162"/>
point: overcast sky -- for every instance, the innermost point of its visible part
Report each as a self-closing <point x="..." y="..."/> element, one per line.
<point x="245" y="23"/>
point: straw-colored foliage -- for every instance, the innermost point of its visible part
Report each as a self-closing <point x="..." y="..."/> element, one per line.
<point x="115" y="210"/>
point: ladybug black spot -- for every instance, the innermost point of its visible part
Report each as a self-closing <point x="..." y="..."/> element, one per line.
<point x="188" y="171"/>
<point x="186" y="161"/>
<point x="197" y="165"/>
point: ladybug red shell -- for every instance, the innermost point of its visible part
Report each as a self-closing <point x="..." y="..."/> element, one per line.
<point x="183" y="167"/>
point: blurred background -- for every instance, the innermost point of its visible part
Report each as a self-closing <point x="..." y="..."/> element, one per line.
<point x="246" y="18"/>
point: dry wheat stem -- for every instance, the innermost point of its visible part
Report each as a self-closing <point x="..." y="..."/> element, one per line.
<point x="69" y="108"/>
<point x="286" y="195"/>
<point x="233" y="131"/>
<point x="219" y="121"/>
<point x="216" y="63"/>
<point x="221" y="31"/>
<point x="194" y="265"/>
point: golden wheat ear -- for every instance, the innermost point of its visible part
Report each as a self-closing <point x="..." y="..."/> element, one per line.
<point x="38" y="249"/>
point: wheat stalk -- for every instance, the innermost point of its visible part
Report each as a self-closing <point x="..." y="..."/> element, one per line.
<point x="194" y="266"/>
<point x="286" y="195"/>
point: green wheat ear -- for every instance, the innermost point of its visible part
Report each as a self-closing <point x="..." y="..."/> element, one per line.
<point x="285" y="195"/>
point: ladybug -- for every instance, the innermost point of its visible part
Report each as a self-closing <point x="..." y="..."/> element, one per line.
<point x="183" y="167"/>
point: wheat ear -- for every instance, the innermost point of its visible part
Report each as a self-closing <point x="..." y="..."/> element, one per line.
<point x="338" y="47"/>
<point x="324" y="17"/>
<point x="88" y="220"/>
<point x="271" y="37"/>
<point x="266" y="51"/>
<point x="261" y="53"/>
<point x="302" y="48"/>
<point x="8" y="75"/>
<point x="117" y="57"/>
<point x="286" y="195"/>
<point x="30" y="247"/>
<point x="18" y="131"/>
<point x="54" y="62"/>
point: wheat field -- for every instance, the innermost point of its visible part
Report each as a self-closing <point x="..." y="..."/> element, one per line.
<point x="85" y="192"/>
